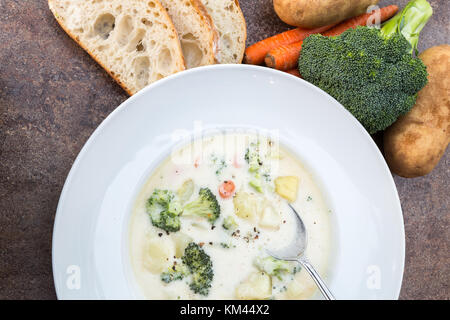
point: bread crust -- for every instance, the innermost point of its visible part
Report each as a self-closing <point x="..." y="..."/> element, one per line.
<point x="209" y="32"/>
<point x="241" y="25"/>
<point x="202" y="11"/>
<point x="111" y="73"/>
<point x="244" y="28"/>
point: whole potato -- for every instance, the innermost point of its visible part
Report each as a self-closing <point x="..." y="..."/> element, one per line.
<point x="415" y="143"/>
<point x="317" y="13"/>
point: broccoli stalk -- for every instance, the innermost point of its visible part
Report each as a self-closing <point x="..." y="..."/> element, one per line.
<point x="273" y="267"/>
<point x="253" y="158"/>
<point x="370" y="71"/>
<point x="205" y="206"/>
<point x="256" y="183"/>
<point x="200" y="267"/>
<point x="186" y="190"/>
<point x="409" y="22"/>
<point x="164" y="210"/>
<point x="229" y="223"/>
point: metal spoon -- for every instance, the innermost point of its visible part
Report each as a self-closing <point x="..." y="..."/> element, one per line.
<point x="295" y="252"/>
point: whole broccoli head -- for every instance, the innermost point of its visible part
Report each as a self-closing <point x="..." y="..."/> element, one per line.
<point x="200" y="267"/>
<point x="373" y="76"/>
<point x="205" y="206"/>
<point x="164" y="210"/>
<point x="273" y="267"/>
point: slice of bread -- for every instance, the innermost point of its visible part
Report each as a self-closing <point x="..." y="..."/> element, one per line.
<point x="133" y="40"/>
<point x="196" y="31"/>
<point x="230" y="24"/>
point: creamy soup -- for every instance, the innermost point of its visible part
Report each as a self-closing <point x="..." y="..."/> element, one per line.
<point x="223" y="201"/>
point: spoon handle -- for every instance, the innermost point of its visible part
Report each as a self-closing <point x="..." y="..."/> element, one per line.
<point x="317" y="279"/>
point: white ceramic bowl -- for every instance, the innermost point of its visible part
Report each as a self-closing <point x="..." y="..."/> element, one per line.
<point x="90" y="238"/>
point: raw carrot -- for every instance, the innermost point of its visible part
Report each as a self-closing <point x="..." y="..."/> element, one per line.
<point x="294" y="72"/>
<point x="286" y="57"/>
<point x="226" y="189"/>
<point x="255" y="53"/>
<point x="362" y="20"/>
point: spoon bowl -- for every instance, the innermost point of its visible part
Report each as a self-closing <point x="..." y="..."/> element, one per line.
<point x="295" y="251"/>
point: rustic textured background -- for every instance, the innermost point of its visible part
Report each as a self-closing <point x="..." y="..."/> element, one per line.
<point x="53" y="96"/>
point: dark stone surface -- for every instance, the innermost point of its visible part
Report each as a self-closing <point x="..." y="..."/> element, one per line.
<point x="53" y="96"/>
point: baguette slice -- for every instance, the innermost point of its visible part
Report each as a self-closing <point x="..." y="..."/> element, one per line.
<point x="196" y="31"/>
<point x="230" y="24"/>
<point x="133" y="40"/>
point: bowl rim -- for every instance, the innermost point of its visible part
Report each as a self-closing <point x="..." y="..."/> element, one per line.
<point x="122" y="107"/>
